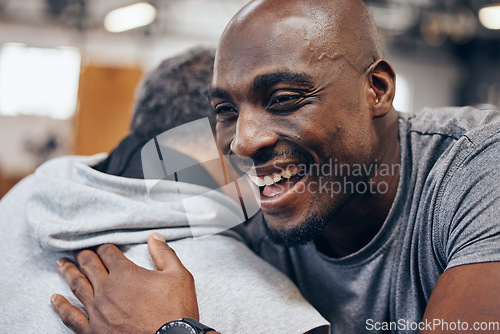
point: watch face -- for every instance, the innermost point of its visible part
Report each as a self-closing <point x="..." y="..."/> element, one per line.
<point x="177" y="327"/>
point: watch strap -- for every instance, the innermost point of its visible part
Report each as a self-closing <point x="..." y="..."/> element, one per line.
<point x="198" y="325"/>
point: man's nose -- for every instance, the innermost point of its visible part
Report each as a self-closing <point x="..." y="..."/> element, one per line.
<point x="254" y="132"/>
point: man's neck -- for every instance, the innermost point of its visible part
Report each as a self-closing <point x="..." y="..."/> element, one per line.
<point x="362" y="217"/>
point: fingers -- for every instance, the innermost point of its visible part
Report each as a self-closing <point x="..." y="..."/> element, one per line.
<point x="112" y="257"/>
<point x="70" y="315"/>
<point x="163" y="256"/>
<point x="91" y="265"/>
<point x="77" y="282"/>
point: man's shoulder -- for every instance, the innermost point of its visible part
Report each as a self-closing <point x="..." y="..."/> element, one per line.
<point x="454" y="135"/>
<point x="454" y="122"/>
<point x="436" y="139"/>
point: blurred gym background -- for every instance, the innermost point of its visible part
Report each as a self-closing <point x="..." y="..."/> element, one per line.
<point x="69" y="68"/>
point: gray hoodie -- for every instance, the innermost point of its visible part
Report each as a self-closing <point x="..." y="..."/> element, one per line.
<point x="66" y="206"/>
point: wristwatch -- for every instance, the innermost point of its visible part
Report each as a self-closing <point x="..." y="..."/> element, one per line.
<point x="184" y="326"/>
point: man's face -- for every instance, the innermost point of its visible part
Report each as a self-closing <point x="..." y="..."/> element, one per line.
<point x="294" y="106"/>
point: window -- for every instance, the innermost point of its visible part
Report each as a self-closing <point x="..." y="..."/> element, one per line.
<point x="36" y="81"/>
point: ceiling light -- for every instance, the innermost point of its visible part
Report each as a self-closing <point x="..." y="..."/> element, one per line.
<point x="490" y="17"/>
<point x="130" y="17"/>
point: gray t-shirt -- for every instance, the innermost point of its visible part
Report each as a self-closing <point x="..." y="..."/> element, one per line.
<point x="445" y="214"/>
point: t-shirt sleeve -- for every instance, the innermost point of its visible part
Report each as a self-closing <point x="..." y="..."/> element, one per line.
<point x="469" y="206"/>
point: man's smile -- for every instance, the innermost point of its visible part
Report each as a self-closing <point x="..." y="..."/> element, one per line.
<point x="273" y="184"/>
<point x="280" y="184"/>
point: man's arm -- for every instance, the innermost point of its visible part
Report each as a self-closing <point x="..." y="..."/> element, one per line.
<point x="467" y="297"/>
<point x="108" y="282"/>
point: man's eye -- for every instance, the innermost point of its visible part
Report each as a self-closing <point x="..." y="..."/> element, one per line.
<point x="284" y="102"/>
<point x="283" y="98"/>
<point x="225" y="112"/>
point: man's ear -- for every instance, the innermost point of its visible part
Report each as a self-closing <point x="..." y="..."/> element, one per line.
<point x="382" y="87"/>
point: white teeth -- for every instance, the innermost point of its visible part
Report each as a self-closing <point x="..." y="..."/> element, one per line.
<point x="257" y="180"/>
<point x="277" y="178"/>
<point x="260" y="182"/>
<point x="268" y="180"/>
<point x="274" y="178"/>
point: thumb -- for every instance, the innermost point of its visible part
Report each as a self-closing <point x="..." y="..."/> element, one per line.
<point x="162" y="254"/>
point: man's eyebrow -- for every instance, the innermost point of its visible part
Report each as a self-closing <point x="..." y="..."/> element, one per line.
<point x="266" y="80"/>
<point x="271" y="79"/>
<point x="218" y="93"/>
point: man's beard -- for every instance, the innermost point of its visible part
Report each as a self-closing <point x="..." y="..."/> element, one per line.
<point x="308" y="231"/>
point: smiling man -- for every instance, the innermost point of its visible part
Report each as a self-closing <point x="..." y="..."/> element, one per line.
<point x="306" y="90"/>
<point x="385" y="221"/>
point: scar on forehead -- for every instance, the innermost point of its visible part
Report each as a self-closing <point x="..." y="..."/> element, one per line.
<point x="357" y="64"/>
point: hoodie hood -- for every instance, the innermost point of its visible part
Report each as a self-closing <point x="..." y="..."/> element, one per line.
<point x="73" y="206"/>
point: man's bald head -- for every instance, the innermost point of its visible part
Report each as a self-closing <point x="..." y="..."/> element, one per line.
<point x="333" y="29"/>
